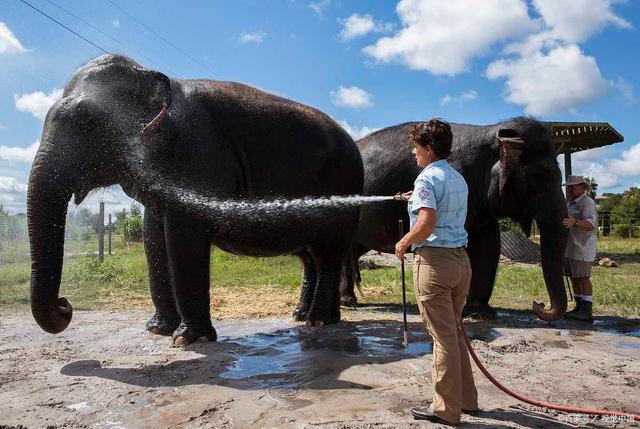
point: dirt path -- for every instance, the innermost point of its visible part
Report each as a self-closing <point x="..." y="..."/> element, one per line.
<point x="105" y="371"/>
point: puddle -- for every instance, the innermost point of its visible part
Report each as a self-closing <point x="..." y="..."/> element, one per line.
<point x="294" y="357"/>
<point x="627" y="345"/>
<point x="79" y="406"/>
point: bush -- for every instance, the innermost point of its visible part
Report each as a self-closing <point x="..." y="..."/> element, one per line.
<point x="131" y="228"/>
<point x="621" y="230"/>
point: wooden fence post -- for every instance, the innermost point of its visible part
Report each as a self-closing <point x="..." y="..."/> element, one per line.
<point x="101" y="232"/>
<point x="110" y="232"/>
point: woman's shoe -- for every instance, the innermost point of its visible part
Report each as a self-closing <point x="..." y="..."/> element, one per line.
<point x="426" y="413"/>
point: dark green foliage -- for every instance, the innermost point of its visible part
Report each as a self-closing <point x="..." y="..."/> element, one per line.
<point x="131" y="225"/>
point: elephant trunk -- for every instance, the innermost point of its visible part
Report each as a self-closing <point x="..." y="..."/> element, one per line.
<point x="47" y="198"/>
<point x="553" y="240"/>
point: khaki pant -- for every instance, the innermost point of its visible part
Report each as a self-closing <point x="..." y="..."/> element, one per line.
<point x="441" y="279"/>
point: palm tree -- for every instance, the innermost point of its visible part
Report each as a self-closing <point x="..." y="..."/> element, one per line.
<point x="592" y="186"/>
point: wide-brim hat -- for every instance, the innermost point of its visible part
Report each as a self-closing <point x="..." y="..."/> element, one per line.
<point x="574" y="180"/>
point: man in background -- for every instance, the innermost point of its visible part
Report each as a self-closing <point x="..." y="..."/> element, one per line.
<point x="581" y="247"/>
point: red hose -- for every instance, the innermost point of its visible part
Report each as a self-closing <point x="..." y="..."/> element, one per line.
<point x="528" y="400"/>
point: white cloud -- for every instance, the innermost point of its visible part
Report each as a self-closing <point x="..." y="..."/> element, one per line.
<point x="626" y="90"/>
<point x="352" y="97"/>
<point x="319" y="6"/>
<point x="10" y="184"/>
<point x="550" y="83"/>
<point x="357" y="132"/>
<point x="597" y="153"/>
<point x="9" y="44"/>
<point x="19" y="154"/>
<point x="551" y="74"/>
<point x="629" y="164"/>
<point x="359" y="25"/>
<point x="37" y="103"/>
<point x="257" y="37"/>
<point x="576" y="20"/>
<point x="468" y="95"/>
<point x="13" y="194"/>
<point x="115" y="23"/>
<point x="604" y="177"/>
<point x="441" y="37"/>
<point x="113" y="197"/>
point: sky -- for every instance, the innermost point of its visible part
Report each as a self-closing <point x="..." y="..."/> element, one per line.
<point x="368" y="64"/>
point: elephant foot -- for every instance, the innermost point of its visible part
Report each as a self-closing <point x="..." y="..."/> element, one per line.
<point x="188" y="334"/>
<point x="300" y="314"/>
<point x="484" y="311"/>
<point x="318" y="319"/>
<point x="348" y="301"/>
<point x="163" y="325"/>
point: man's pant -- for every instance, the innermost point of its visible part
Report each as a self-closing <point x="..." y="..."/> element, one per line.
<point x="441" y="279"/>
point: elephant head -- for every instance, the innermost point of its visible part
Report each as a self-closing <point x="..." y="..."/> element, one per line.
<point x="91" y="139"/>
<point x="526" y="185"/>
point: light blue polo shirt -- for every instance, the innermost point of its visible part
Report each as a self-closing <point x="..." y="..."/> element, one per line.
<point x="440" y="187"/>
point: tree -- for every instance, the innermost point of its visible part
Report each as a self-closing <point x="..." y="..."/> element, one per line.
<point x="131" y="226"/>
<point x="627" y="211"/>
<point x="592" y="186"/>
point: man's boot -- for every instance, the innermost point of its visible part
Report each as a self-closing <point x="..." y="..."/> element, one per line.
<point x="578" y="306"/>
<point x="584" y="314"/>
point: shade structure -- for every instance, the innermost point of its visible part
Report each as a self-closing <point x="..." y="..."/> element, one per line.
<point x="571" y="137"/>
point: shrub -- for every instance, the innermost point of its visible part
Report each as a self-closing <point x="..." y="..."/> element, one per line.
<point x="621" y="230"/>
<point x="131" y="228"/>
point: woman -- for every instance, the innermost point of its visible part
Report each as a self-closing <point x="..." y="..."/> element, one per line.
<point x="441" y="270"/>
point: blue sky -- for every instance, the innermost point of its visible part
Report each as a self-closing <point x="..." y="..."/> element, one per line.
<point x="368" y="64"/>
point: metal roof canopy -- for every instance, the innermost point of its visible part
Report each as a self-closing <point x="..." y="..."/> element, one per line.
<point x="571" y="137"/>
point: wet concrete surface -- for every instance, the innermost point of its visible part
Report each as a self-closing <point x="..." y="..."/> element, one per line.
<point x="105" y="371"/>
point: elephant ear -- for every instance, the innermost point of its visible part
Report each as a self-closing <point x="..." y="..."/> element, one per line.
<point x="161" y="97"/>
<point x="511" y="146"/>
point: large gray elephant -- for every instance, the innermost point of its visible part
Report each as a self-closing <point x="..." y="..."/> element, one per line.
<point x="515" y="176"/>
<point x="190" y="150"/>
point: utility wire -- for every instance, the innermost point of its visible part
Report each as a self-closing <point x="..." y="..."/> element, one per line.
<point x="164" y="39"/>
<point x="112" y="38"/>
<point x="65" y="27"/>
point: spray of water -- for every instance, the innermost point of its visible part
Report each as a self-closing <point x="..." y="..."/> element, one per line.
<point x="238" y="214"/>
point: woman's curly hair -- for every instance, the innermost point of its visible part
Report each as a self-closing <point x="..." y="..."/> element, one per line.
<point x="435" y="133"/>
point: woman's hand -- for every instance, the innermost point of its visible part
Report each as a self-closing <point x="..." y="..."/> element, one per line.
<point x="401" y="249"/>
<point x="407" y="195"/>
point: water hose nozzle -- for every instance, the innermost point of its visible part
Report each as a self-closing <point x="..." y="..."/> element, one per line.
<point x="399" y="197"/>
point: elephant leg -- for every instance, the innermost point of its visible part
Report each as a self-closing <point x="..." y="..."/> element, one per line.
<point x="308" y="287"/>
<point x="350" y="276"/>
<point x="166" y="318"/>
<point x="189" y="250"/>
<point x="325" y="307"/>
<point x="484" y="255"/>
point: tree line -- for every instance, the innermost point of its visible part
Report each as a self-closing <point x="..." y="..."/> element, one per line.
<point x="82" y="224"/>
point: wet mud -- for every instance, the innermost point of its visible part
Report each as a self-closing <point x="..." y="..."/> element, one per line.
<point x="105" y="371"/>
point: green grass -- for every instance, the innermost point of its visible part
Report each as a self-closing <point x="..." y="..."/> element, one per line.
<point x="254" y="287"/>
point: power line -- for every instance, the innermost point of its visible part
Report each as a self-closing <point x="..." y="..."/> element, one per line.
<point x="164" y="39"/>
<point x="112" y="38"/>
<point x="65" y="27"/>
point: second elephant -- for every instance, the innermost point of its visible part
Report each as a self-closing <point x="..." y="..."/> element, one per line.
<point x="511" y="171"/>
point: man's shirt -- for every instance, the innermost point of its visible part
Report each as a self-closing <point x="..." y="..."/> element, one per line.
<point x="582" y="244"/>
<point x="442" y="188"/>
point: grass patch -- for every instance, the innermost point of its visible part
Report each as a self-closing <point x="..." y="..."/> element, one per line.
<point x="260" y="287"/>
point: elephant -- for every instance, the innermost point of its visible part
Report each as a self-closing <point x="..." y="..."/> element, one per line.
<point x="202" y="156"/>
<point x="511" y="171"/>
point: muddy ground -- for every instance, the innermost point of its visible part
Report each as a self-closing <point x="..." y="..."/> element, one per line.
<point x="105" y="371"/>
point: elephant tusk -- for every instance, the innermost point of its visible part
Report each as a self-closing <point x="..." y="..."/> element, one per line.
<point x="152" y="126"/>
